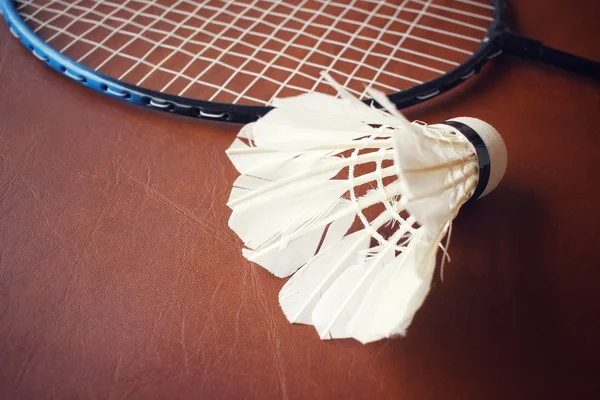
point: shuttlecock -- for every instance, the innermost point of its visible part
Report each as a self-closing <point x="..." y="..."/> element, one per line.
<point x="354" y="201"/>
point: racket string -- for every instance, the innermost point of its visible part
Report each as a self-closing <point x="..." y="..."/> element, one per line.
<point x="249" y="52"/>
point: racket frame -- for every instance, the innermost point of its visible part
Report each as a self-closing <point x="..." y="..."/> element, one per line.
<point x="491" y="46"/>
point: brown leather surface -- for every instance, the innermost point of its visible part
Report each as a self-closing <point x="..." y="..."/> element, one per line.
<point x="119" y="277"/>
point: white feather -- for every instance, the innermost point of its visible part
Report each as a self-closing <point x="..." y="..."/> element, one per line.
<point x="301" y="293"/>
<point x="431" y="168"/>
<point x="323" y="104"/>
<point x="337" y="306"/>
<point x="286" y="129"/>
<point x="398" y="292"/>
<point x="293" y="249"/>
<point x="246" y="160"/>
<point x="335" y="309"/>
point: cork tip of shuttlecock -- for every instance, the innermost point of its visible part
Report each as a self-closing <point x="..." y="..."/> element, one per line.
<point x="495" y="147"/>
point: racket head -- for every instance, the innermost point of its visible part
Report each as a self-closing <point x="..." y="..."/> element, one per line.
<point x="40" y="28"/>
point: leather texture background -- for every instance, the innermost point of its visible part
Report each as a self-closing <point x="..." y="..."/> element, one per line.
<point x="119" y="277"/>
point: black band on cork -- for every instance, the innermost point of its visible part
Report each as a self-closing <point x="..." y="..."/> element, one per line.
<point x="482" y="155"/>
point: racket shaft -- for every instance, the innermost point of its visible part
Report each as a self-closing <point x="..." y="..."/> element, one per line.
<point x="535" y="50"/>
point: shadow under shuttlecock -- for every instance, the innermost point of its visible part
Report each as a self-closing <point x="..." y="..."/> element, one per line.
<point x="484" y="325"/>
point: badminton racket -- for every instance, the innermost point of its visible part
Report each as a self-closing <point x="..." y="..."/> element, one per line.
<point x="228" y="60"/>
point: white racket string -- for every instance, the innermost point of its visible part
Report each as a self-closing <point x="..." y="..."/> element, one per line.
<point x="251" y="51"/>
<point x="398" y="46"/>
<point x="211" y="44"/>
